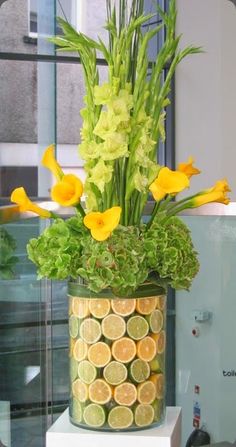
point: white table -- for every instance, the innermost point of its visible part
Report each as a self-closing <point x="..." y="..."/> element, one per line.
<point x="64" y="434"/>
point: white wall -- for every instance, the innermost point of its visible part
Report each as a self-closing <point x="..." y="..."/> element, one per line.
<point x="206" y="90"/>
<point x="206" y="129"/>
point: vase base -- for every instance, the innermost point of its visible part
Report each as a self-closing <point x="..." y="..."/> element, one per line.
<point x="106" y="428"/>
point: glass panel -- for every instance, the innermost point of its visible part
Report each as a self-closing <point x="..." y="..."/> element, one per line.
<point x="206" y="332"/>
<point x="27" y="109"/>
<point x="23" y="368"/>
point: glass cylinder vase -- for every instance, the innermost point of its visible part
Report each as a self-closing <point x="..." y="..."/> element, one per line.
<point x="117" y="358"/>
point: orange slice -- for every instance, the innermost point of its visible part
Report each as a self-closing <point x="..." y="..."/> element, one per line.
<point x="146" y="392"/>
<point x="160" y="340"/>
<point x="113" y="326"/>
<point x="80" y="390"/>
<point x="99" y="308"/>
<point x="161" y="302"/>
<point x="99" y="354"/>
<point x="100" y="392"/>
<point x="124" y="350"/>
<point x="123" y="307"/>
<point x="125" y="394"/>
<point x="145" y="306"/>
<point x="146" y="349"/>
<point x="80" y="350"/>
<point x="159" y="381"/>
<point x="80" y="307"/>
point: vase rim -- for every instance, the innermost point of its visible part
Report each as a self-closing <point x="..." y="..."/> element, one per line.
<point x="147" y="289"/>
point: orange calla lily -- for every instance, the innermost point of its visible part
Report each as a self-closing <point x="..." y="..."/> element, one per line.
<point x="49" y="161"/>
<point x="168" y="182"/>
<point x="20" y="197"/>
<point x="102" y="224"/>
<point x="188" y="168"/>
<point x="68" y="191"/>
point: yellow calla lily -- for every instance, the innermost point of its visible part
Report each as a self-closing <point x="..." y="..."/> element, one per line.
<point x="49" y="161"/>
<point x="68" y="191"/>
<point x="168" y="182"/>
<point x="20" y="197"/>
<point x="102" y="224"/>
<point x="215" y="194"/>
<point x="188" y="168"/>
<point x="220" y="185"/>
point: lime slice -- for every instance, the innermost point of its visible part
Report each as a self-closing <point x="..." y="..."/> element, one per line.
<point x="73" y="369"/>
<point x="115" y="373"/>
<point x="73" y="326"/>
<point x="144" y="415"/>
<point x="76" y="410"/>
<point x="94" y="415"/>
<point x="99" y="308"/>
<point x="158" y="406"/>
<point x="90" y="330"/>
<point x="155" y="365"/>
<point x="80" y="350"/>
<point x="80" y="390"/>
<point x="100" y="392"/>
<point x="137" y="327"/>
<point x="113" y="327"/>
<point x="120" y="417"/>
<point x="146" y="392"/>
<point x="139" y="370"/>
<point x="87" y="372"/>
<point x="155" y="321"/>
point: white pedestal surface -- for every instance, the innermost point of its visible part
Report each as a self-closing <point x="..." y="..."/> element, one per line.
<point x="62" y="433"/>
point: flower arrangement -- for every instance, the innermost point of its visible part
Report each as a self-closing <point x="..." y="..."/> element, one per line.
<point x="108" y="243"/>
